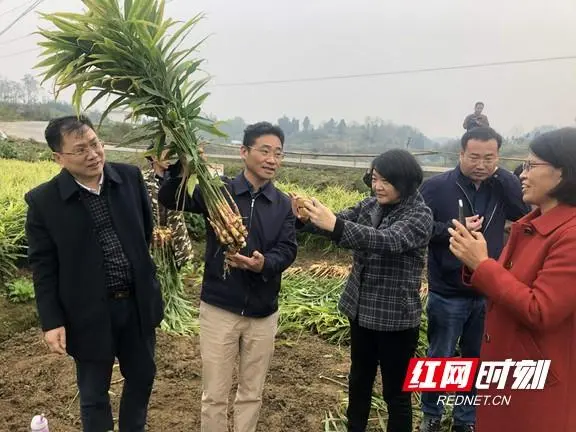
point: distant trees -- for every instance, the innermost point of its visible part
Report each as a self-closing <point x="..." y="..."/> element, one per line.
<point x="26" y="91"/>
<point x="26" y="100"/>
<point x="338" y="135"/>
<point x="290" y="127"/>
<point x="234" y="128"/>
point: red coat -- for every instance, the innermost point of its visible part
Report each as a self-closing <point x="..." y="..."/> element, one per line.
<point x="531" y="314"/>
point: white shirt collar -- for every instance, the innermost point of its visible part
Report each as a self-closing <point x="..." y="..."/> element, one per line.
<point x="89" y="189"/>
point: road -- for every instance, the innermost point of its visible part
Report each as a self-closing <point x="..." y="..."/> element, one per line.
<point x="35" y="130"/>
<point x="25" y="130"/>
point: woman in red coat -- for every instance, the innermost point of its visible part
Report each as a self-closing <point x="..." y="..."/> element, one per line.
<point x="531" y="291"/>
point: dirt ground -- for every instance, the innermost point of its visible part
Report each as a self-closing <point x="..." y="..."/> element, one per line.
<point x="15" y="318"/>
<point x="296" y="396"/>
<point x="306" y="379"/>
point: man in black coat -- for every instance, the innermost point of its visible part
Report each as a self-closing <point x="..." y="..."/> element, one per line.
<point x="89" y="230"/>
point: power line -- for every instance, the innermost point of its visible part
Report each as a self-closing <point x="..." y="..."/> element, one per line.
<point x="13" y="9"/>
<point x="19" y="52"/>
<point x="9" y="41"/>
<point x="34" y="4"/>
<point x="398" y="72"/>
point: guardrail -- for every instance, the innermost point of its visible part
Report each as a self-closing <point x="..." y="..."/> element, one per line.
<point x="354" y="160"/>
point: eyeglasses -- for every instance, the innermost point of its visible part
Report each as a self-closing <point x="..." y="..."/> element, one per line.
<point x="85" y="151"/>
<point x="267" y="153"/>
<point x="477" y="160"/>
<point x="528" y="165"/>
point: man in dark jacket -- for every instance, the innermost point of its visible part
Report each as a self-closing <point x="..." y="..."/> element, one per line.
<point x="88" y="232"/>
<point x="490" y="196"/>
<point x="239" y="313"/>
<point x="476" y="119"/>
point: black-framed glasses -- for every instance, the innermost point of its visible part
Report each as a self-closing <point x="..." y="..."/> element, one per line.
<point x="528" y="165"/>
<point x="266" y="152"/>
<point x="84" y="151"/>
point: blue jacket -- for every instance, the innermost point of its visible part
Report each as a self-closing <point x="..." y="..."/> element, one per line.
<point x="271" y="230"/>
<point x="441" y="194"/>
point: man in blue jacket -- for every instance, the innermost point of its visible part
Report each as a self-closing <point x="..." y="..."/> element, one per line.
<point x="239" y="314"/>
<point x="490" y="195"/>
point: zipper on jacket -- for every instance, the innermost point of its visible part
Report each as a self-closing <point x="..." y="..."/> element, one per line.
<point x="472" y="207"/>
<point x="491" y="216"/>
<point x="249" y="228"/>
<point x="251" y="213"/>
<point x="467" y="197"/>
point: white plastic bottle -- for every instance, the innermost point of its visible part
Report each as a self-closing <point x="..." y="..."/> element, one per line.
<point x="39" y="424"/>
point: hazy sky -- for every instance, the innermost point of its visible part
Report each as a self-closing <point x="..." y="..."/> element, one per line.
<point x="256" y="40"/>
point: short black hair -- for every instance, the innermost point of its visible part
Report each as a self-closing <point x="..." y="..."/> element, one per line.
<point x="61" y="126"/>
<point x="401" y="169"/>
<point x="558" y="148"/>
<point x="518" y="170"/>
<point x="256" y="130"/>
<point x="478" y="103"/>
<point x="484" y="134"/>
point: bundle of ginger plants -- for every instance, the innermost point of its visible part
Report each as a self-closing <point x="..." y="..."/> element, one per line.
<point x="129" y="53"/>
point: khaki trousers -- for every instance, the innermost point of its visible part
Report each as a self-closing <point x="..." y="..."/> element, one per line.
<point x="224" y="336"/>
